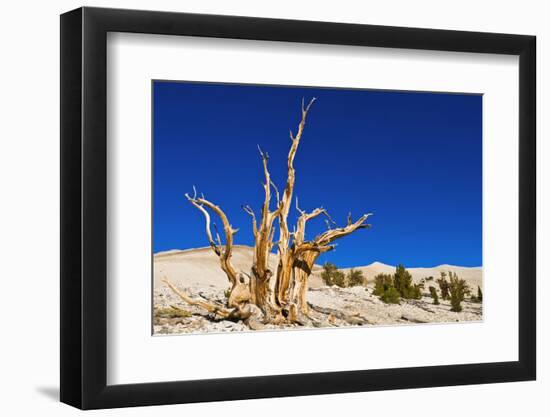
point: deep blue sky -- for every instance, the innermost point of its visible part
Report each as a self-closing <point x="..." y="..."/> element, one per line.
<point x="413" y="159"/>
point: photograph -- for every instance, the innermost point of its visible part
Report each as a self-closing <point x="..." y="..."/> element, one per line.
<point x="302" y="207"/>
<point x="244" y="208"/>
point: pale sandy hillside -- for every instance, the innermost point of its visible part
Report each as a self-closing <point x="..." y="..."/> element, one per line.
<point x="472" y="275"/>
<point x="201" y="266"/>
<point x="194" y="267"/>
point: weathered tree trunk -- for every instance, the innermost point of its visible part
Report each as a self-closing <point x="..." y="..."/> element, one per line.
<point x="285" y="251"/>
<point x="264" y="296"/>
<point x="302" y="271"/>
<point x="263" y="237"/>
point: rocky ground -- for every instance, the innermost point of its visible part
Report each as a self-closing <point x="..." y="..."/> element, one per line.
<point x="329" y="307"/>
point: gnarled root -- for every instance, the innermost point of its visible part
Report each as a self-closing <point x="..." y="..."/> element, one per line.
<point x="250" y="314"/>
<point x="255" y="319"/>
<point x="208" y="306"/>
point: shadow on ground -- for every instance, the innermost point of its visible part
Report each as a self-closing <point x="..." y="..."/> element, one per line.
<point x="50" y="392"/>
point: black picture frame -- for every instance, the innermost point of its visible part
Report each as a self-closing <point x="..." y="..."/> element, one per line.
<point x="84" y="207"/>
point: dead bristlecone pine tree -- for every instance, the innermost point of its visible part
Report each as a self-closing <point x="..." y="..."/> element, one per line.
<point x="261" y="296"/>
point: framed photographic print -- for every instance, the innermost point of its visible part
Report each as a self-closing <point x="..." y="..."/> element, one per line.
<point x="256" y="208"/>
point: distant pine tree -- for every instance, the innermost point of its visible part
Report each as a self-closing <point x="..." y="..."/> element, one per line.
<point x="381" y="283"/>
<point x="402" y="280"/>
<point x="383" y="288"/>
<point x="331" y="275"/>
<point x="477" y="298"/>
<point x="328" y="271"/>
<point x="339" y="279"/>
<point x="443" y="286"/>
<point x="433" y="293"/>
<point x="458" y="289"/>
<point x="355" y="277"/>
<point x="391" y="296"/>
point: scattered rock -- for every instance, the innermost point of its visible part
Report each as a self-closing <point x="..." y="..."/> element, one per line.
<point x="408" y="317"/>
<point x="329" y="307"/>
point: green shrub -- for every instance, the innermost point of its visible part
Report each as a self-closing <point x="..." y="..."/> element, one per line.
<point x="458" y="289"/>
<point x="339" y="279"/>
<point x="384" y="289"/>
<point x="416" y="291"/>
<point x="443" y="286"/>
<point x="355" y="277"/>
<point x="455" y="305"/>
<point x="391" y="295"/>
<point x="402" y="281"/>
<point x="477" y="298"/>
<point x="433" y="293"/>
<point x="391" y="288"/>
<point x="381" y="283"/>
<point x="328" y="271"/>
<point x="332" y="276"/>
